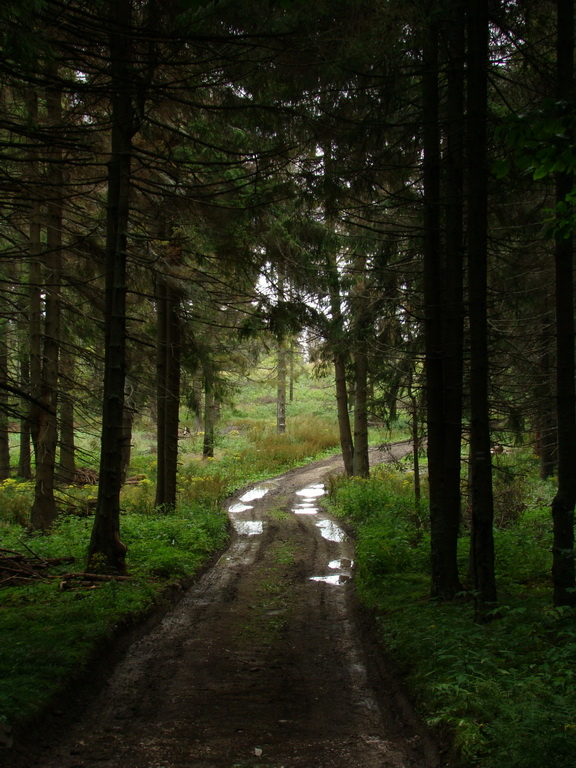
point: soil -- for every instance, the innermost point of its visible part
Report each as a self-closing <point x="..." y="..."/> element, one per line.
<point x="267" y="660"/>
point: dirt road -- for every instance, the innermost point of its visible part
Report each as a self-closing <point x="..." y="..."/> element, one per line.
<point x="264" y="662"/>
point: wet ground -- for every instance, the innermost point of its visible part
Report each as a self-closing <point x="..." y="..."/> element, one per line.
<point x="266" y="661"/>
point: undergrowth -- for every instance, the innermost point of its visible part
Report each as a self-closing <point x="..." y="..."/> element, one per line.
<point x="502" y="693"/>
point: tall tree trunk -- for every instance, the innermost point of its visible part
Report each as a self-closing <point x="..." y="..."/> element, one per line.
<point x="415" y="433"/>
<point x="547" y="446"/>
<point x="361" y="464"/>
<point x="563" y="569"/>
<point x="24" y="456"/>
<point x="346" y="440"/>
<point x="198" y="389"/>
<point x="67" y="463"/>
<point x="445" y="582"/>
<point x="34" y="312"/>
<point x="209" y="417"/>
<point x="452" y="276"/>
<point x="291" y="355"/>
<point x="161" y="387"/>
<point x="168" y="395"/>
<point x="361" y="326"/>
<point x="482" y="545"/>
<point x="173" y="411"/>
<point x="35" y="321"/>
<point x="4" y="433"/>
<point x="281" y="388"/>
<point x="105" y="541"/>
<point x="281" y="366"/>
<point x="340" y="358"/>
<point x="127" y="425"/>
<point x="43" y="512"/>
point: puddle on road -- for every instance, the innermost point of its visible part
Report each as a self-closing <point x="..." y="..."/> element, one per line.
<point x="344" y="565"/>
<point x="330" y="531"/>
<point x="234" y="508"/>
<point x="308" y="506"/>
<point x="305" y="508"/>
<point x="338" y="578"/>
<point x="255" y="493"/>
<point x="248" y="527"/>
<point x="312" y="491"/>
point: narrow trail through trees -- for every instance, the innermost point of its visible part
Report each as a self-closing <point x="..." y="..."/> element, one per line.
<point x="263" y="662"/>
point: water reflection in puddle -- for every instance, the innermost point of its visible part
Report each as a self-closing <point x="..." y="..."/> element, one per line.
<point x="343" y="563"/>
<point x="254" y="493"/>
<point x="238" y="508"/>
<point x="248" y="527"/>
<point x="339" y="578"/>
<point x="330" y="531"/>
<point x="305" y="508"/>
<point x="308" y="505"/>
<point x="312" y="491"/>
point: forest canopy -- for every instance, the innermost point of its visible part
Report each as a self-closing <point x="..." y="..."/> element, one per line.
<point x="187" y="183"/>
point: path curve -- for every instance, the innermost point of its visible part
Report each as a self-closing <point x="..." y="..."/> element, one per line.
<point x="262" y="663"/>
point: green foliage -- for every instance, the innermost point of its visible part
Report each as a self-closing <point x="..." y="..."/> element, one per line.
<point x="173" y="546"/>
<point x="391" y="537"/>
<point x="15" y="501"/>
<point x="503" y="693"/>
<point x="542" y="145"/>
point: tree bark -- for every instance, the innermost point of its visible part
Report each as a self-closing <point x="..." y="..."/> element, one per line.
<point x="452" y="277"/>
<point x="445" y="581"/>
<point x="127" y="424"/>
<point x="340" y="358"/>
<point x="547" y="445"/>
<point x="482" y="544"/>
<point x="168" y="358"/>
<point x="346" y="440"/>
<point x="563" y="569"/>
<point x="44" y="511"/>
<point x="4" y="433"/>
<point x="415" y="432"/>
<point x="281" y="366"/>
<point x="161" y="388"/>
<point x="25" y="455"/>
<point x="67" y="463"/>
<point x="281" y="388"/>
<point x="361" y="464"/>
<point x="105" y="542"/>
<point x="209" y="417"/>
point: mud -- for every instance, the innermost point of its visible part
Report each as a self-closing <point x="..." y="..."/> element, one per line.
<point x="266" y="661"/>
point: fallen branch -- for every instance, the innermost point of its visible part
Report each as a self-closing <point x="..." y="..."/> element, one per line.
<point x="16" y="568"/>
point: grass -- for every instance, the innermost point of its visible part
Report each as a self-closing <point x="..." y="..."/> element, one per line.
<point x="272" y="599"/>
<point x="502" y="693"/>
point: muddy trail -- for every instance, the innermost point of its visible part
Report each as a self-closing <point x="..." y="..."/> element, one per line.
<point x="266" y="661"/>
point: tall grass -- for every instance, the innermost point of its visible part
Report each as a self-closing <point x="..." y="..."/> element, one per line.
<point x="503" y="693"/>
